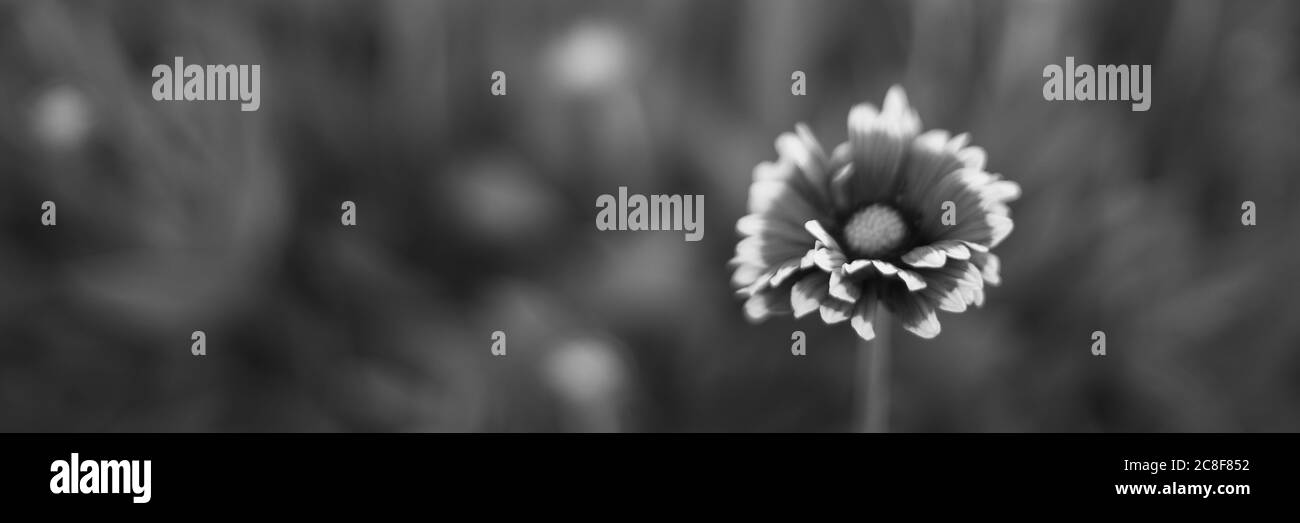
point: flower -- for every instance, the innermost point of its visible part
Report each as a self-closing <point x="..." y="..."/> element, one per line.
<point x="893" y="217"/>
<point x="592" y="58"/>
<point x="62" y="117"/>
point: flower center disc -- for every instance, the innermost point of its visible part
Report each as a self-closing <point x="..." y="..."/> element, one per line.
<point x="875" y="230"/>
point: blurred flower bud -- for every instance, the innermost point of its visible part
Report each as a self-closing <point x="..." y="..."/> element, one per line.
<point x="591" y="58"/>
<point x="61" y="117"/>
<point x="590" y="378"/>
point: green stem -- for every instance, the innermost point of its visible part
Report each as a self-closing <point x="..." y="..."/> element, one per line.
<point x="873" y="385"/>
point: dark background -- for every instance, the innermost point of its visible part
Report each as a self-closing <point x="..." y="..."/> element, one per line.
<point x="476" y="214"/>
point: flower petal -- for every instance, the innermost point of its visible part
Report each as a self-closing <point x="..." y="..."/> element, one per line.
<point x="989" y="229"/>
<point x="884" y="267"/>
<point x="842" y="188"/>
<point x="974" y="247"/>
<point x="807" y="295"/>
<point x="982" y="213"/>
<point x="760" y="284"/>
<point x="928" y="162"/>
<point x="784" y="271"/>
<point x="1001" y="227"/>
<point x="989" y="265"/>
<point x="767" y="252"/>
<point x="973" y="275"/>
<point x="925" y="256"/>
<point x="864" y="316"/>
<point x="780" y="191"/>
<point x="960" y="277"/>
<point x="809" y="259"/>
<point x="913" y="280"/>
<point x="953" y="249"/>
<point x="913" y="312"/>
<point x="897" y="109"/>
<point x="746" y="274"/>
<point x="855" y="266"/>
<point x="950" y="301"/>
<point x="803" y="149"/>
<point x="828" y="259"/>
<point x="926" y="325"/>
<point x="957" y="143"/>
<point x="763" y="305"/>
<point x="791" y="147"/>
<point x="836" y="311"/>
<point x="1002" y="191"/>
<point x="973" y="157"/>
<point x="764" y="225"/>
<point x="815" y="228"/>
<point x="943" y="291"/>
<point x="844" y="288"/>
<point x="967" y="207"/>
<point x="880" y="140"/>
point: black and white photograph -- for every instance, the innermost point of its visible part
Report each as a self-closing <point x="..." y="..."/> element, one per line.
<point x="876" y="219"/>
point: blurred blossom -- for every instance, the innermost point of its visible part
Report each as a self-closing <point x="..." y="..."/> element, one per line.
<point x="591" y="58"/>
<point x="590" y="377"/>
<point x="501" y="200"/>
<point x="193" y="238"/>
<point x="62" y="117"/>
<point x="590" y="118"/>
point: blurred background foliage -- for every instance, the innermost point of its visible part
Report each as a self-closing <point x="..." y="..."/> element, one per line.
<point x="476" y="214"/>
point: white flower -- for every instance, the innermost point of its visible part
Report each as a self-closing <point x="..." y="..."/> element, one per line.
<point x="845" y="233"/>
